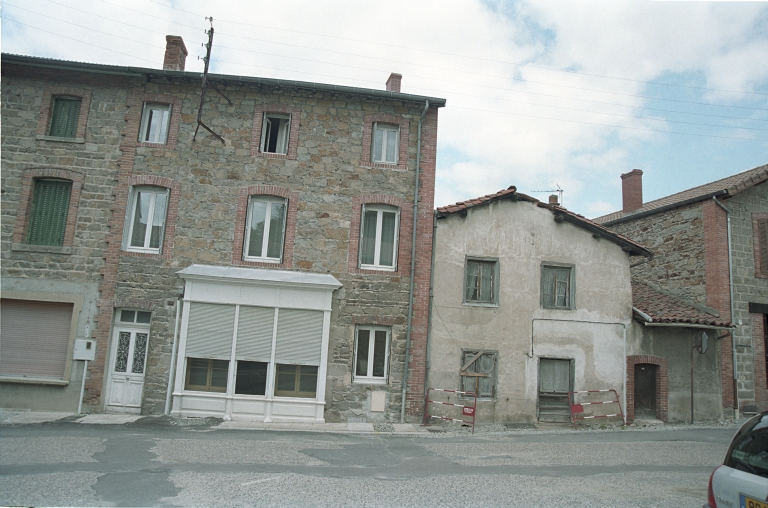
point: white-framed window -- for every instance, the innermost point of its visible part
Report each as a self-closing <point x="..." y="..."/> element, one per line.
<point x="265" y="229"/>
<point x="146" y="219"/>
<point x="557" y="287"/>
<point x="155" y="120"/>
<point x="478" y="372"/>
<point x="371" y="361"/>
<point x="481" y="282"/>
<point x="275" y="132"/>
<point x="378" y="237"/>
<point x="386" y="143"/>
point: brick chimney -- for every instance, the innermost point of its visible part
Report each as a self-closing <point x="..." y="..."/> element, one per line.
<point x="393" y="83"/>
<point x="553" y="199"/>
<point x="632" y="190"/>
<point x="175" y="53"/>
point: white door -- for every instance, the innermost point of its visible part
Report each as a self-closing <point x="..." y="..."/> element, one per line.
<point x="129" y="359"/>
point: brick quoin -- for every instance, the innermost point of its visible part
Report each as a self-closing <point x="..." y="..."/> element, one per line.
<point x="417" y="369"/>
<point x="758" y="342"/>
<point x="662" y="385"/>
<point x="94" y="384"/>
<point x="718" y="286"/>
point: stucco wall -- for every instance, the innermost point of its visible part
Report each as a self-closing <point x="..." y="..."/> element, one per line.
<point x="675" y="345"/>
<point x="522" y="237"/>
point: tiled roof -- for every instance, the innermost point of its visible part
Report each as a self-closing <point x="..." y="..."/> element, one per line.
<point x="560" y="214"/>
<point x="663" y="308"/>
<point x="731" y="184"/>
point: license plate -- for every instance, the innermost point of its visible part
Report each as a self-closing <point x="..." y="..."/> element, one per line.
<point x="748" y="502"/>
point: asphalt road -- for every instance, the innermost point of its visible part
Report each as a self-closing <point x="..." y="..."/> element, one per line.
<point x="71" y="464"/>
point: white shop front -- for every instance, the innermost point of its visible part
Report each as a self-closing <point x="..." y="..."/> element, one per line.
<point x="253" y="344"/>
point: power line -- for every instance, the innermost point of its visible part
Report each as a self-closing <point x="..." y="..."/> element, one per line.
<point x="516" y="64"/>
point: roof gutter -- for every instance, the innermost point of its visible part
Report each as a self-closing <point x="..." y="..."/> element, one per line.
<point x="660" y="209"/>
<point x="147" y="73"/>
<point x="690" y="325"/>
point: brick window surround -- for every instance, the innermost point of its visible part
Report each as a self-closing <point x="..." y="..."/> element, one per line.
<point x="757" y="217"/>
<point x="402" y="158"/>
<point x="759" y="324"/>
<point x="662" y="385"/>
<point x="175" y="122"/>
<point x="290" y="224"/>
<point x="46" y="109"/>
<point x="170" y="218"/>
<point x="293" y="135"/>
<point x="25" y="204"/>
<point x="403" y="242"/>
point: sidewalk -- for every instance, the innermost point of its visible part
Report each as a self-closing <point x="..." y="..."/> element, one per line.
<point x="38" y="417"/>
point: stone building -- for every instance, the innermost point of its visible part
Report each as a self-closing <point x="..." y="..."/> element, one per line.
<point x="271" y="274"/>
<point x="710" y="247"/>
<point x="531" y="302"/>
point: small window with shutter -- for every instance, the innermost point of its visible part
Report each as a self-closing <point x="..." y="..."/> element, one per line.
<point x="50" y="206"/>
<point x="64" y="118"/>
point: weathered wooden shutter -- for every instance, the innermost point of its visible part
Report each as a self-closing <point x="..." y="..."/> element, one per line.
<point x="210" y="331"/>
<point x="50" y="206"/>
<point x="66" y="113"/>
<point x="548" y="287"/>
<point x="299" y="336"/>
<point x="34" y="338"/>
<point x="762" y="234"/>
<point x="254" y="333"/>
<point x="554" y="375"/>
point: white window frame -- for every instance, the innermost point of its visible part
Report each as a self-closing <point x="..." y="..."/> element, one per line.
<point x="266" y="130"/>
<point x="369" y="378"/>
<point x="379" y="209"/>
<point x="388" y="130"/>
<point x="131" y="213"/>
<point x="267" y="224"/>
<point x="161" y="135"/>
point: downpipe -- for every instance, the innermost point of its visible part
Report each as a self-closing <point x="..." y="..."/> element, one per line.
<point x="730" y="287"/>
<point x="172" y="370"/>
<point x="413" y="265"/>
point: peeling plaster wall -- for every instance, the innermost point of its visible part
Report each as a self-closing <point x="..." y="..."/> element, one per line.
<point x="522" y="237"/>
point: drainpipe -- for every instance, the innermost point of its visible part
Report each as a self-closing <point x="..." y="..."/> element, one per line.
<point x="431" y="299"/>
<point x="730" y="287"/>
<point x="413" y="264"/>
<point x="173" y="360"/>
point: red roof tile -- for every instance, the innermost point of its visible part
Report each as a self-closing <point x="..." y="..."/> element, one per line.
<point x="731" y="184"/>
<point x="663" y="308"/>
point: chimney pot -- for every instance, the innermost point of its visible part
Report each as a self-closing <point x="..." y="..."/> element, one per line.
<point x="632" y="191"/>
<point x="553" y="199"/>
<point x="393" y="83"/>
<point x="175" y="53"/>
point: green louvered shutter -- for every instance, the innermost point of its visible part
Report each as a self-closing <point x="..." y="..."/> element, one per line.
<point x="66" y="113"/>
<point x="49" y="212"/>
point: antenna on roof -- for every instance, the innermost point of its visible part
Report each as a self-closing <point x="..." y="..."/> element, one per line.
<point x="559" y="193"/>
<point x="207" y="60"/>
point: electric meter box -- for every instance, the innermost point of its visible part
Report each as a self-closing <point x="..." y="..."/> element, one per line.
<point x="85" y="350"/>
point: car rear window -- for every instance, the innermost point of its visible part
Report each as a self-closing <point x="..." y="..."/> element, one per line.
<point x="749" y="449"/>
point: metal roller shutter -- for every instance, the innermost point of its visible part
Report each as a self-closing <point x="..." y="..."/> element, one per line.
<point x="210" y="331"/>
<point x="299" y="337"/>
<point x="254" y="333"/>
<point x="34" y="338"/>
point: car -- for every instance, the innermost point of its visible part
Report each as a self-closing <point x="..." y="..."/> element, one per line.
<point x="742" y="480"/>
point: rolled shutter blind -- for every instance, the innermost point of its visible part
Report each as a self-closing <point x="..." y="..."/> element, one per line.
<point x="210" y="331"/>
<point x="254" y="333"/>
<point x="299" y="337"/>
<point x="34" y="338"/>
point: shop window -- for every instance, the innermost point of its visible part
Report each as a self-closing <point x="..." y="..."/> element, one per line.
<point x="296" y="381"/>
<point x="251" y="378"/>
<point x="205" y="375"/>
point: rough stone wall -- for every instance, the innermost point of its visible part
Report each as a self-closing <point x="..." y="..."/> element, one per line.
<point x="90" y="163"/>
<point x="748" y="288"/>
<point x="326" y="175"/>
<point x="676" y="239"/>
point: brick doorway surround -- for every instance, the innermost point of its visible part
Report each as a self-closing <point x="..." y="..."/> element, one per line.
<point x="662" y="385"/>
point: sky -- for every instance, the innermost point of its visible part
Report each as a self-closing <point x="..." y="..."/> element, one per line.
<point x="542" y="95"/>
